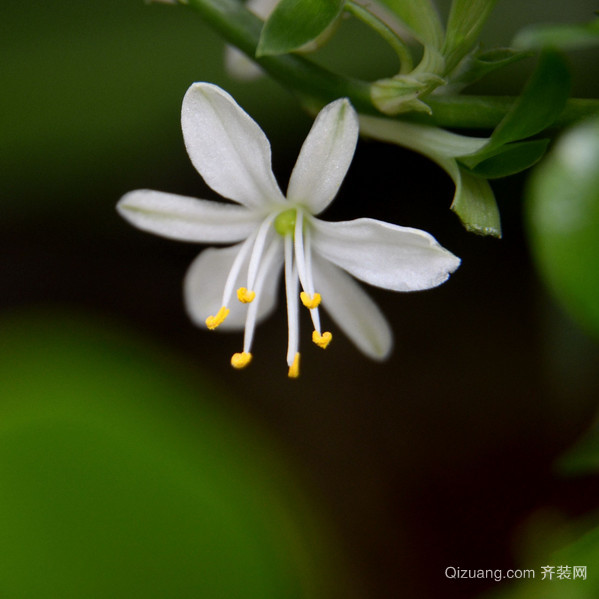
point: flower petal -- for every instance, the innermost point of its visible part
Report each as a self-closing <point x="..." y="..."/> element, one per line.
<point x="385" y="255"/>
<point x="325" y="156"/>
<point x="205" y="281"/>
<point x="239" y="66"/>
<point x="227" y="147"/>
<point x="187" y="219"/>
<point x="353" y="310"/>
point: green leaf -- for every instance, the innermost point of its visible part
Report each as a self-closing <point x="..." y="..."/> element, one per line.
<point x="476" y="65"/>
<point x="536" y="109"/>
<point x="568" y="36"/>
<point x="295" y="23"/>
<point x="466" y="19"/>
<point x="540" y="104"/>
<point x="510" y="159"/>
<point x="563" y="221"/>
<point x="124" y="475"/>
<point x="421" y="18"/>
<point x="474" y="202"/>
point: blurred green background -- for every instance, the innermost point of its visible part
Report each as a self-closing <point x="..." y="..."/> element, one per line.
<point x="135" y="462"/>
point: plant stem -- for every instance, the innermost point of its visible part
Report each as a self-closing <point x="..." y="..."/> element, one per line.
<point x="485" y="112"/>
<point x="402" y="51"/>
<point x="241" y="28"/>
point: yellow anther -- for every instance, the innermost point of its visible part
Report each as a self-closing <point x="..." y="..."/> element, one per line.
<point x="310" y="302"/>
<point x="213" y="321"/>
<point x="241" y="360"/>
<point x="294" y="368"/>
<point x="322" y="340"/>
<point x="245" y="296"/>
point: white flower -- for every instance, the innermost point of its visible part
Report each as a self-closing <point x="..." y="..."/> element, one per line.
<point x="235" y="287"/>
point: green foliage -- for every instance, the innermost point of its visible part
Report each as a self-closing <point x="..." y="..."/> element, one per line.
<point x="511" y="158"/>
<point x="563" y="221"/>
<point x="536" y="109"/>
<point x="296" y="23"/>
<point x="474" y="202"/>
<point x="479" y="64"/>
<point x="541" y="102"/>
<point x="466" y="19"/>
<point x="122" y="478"/>
<point x="568" y="36"/>
<point x="421" y="18"/>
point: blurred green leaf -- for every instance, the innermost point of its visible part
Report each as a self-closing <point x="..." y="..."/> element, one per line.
<point x="295" y="23"/>
<point x="511" y="158"/>
<point x="581" y="552"/>
<point x="565" y="36"/>
<point x="120" y="478"/>
<point x="583" y="458"/>
<point x="563" y="221"/>
<point x="466" y="19"/>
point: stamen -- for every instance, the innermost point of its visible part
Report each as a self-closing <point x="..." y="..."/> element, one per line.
<point x="310" y="302"/>
<point x="236" y="267"/>
<point x="303" y="257"/>
<point x="241" y="360"/>
<point x="291" y="291"/>
<point x="298" y="240"/>
<point x="213" y="321"/>
<point x="245" y="296"/>
<point x="322" y="340"/>
<point x="252" y="312"/>
<point x="294" y="368"/>
<point x="257" y="250"/>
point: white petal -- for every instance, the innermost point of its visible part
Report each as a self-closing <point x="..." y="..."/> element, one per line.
<point x="205" y="281"/>
<point x="385" y="255"/>
<point x="325" y="157"/>
<point x="187" y="219"/>
<point x="239" y="66"/>
<point x="227" y="147"/>
<point x="353" y="311"/>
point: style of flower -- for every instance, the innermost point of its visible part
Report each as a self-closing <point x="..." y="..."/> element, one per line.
<point x="235" y="287"/>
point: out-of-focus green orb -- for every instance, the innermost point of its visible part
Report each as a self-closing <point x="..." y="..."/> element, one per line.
<point x="563" y="221"/>
<point x="121" y="478"/>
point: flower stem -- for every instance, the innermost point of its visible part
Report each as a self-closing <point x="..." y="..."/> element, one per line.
<point x="241" y="28"/>
<point x="402" y="51"/>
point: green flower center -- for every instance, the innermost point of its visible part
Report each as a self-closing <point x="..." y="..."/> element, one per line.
<point x="285" y="222"/>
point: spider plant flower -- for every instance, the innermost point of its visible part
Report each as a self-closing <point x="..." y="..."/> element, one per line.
<point x="235" y="287"/>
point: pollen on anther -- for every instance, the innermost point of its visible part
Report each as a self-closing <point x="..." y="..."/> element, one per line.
<point x="322" y="339"/>
<point x="245" y="296"/>
<point x="213" y="321"/>
<point x="310" y="302"/>
<point x="241" y="359"/>
<point x="294" y="368"/>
